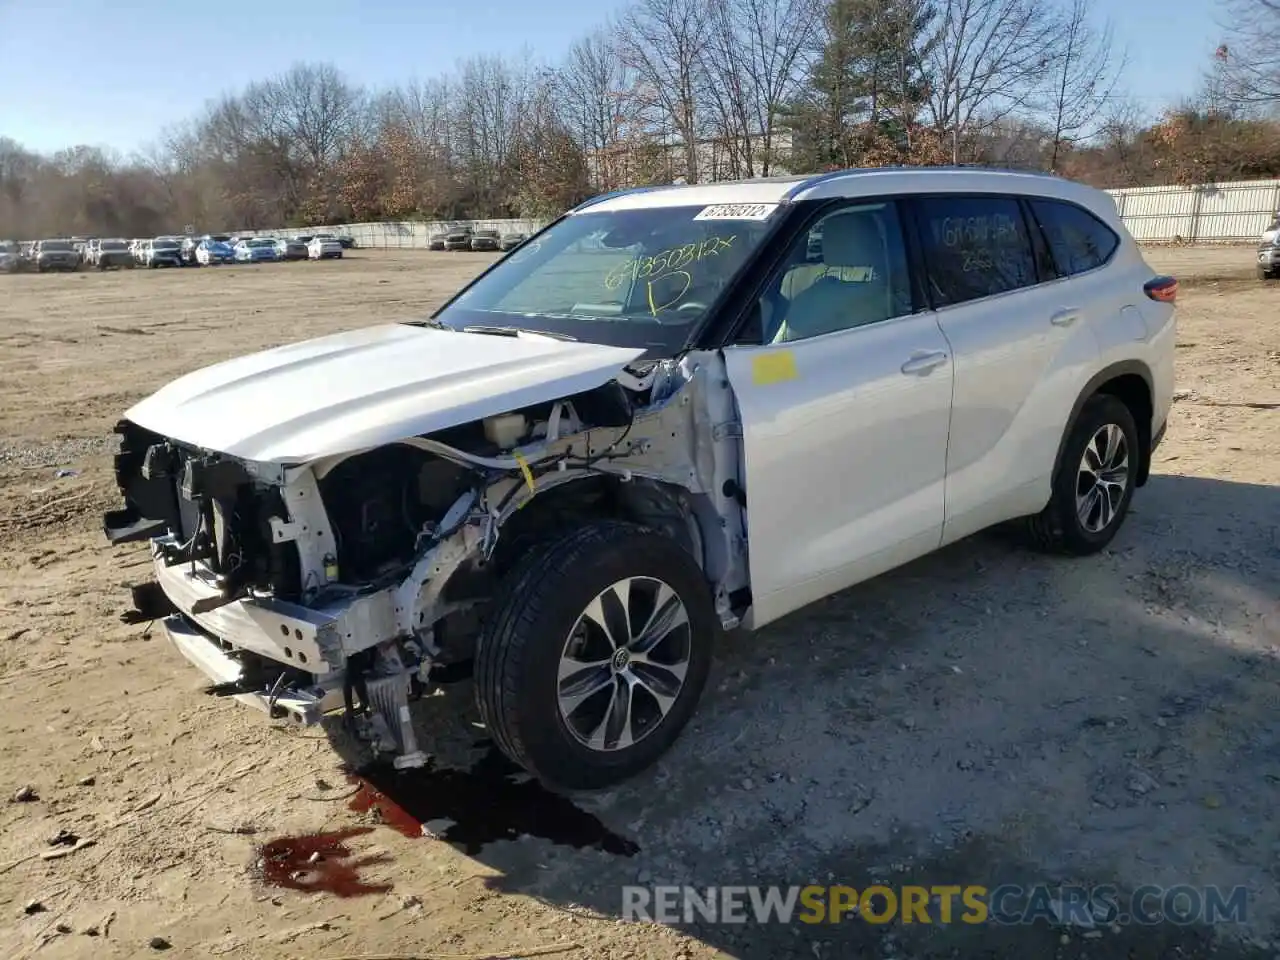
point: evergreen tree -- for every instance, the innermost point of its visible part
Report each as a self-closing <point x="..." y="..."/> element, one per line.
<point x="868" y="88"/>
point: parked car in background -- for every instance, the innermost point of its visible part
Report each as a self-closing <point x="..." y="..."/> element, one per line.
<point x="112" y="253"/>
<point x="348" y="242"/>
<point x="324" y="248"/>
<point x="210" y="252"/>
<point x="512" y="240"/>
<point x="436" y="241"/>
<point x="55" y="255"/>
<point x="10" y="258"/>
<point x="188" y="251"/>
<point x="291" y="248"/>
<point x="304" y="237"/>
<point x="485" y="240"/>
<point x="88" y="254"/>
<point x="256" y="250"/>
<point x="81" y="246"/>
<point x="1269" y="252"/>
<point x="162" y="252"/>
<point x="458" y="238"/>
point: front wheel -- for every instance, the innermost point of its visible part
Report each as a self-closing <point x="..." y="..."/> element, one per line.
<point x="594" y="654"/>
<point x="1094" y="483"/>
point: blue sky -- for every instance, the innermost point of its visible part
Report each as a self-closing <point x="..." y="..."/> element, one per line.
<point x="116" y="72"/>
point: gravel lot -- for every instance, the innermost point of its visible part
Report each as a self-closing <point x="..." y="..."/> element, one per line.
<point x="984" y="715"/>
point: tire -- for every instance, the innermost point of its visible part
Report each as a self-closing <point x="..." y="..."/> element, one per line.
<point x="540" y="611"/>
<point x="1265" y="274"/>
<point x="1059" y="528"/>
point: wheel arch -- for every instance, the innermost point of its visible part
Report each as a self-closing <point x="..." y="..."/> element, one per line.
<point x="661" y="506"/>
<point x="1130" y="381"/>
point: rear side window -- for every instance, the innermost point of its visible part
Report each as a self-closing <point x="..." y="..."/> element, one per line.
<point x="1078" y="240"/>
<point x="974" y="247"/>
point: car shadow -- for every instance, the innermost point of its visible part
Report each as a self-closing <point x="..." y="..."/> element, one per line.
<point x="985" y="715"/>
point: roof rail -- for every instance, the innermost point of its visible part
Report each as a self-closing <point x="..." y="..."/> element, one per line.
<point x="858" y="171"/>
<point x="601" y="197"/>
<point x="818" y="178"/>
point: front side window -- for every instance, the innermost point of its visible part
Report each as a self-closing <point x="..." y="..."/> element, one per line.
<point x="974" y="247"/>
<point x="1078" y="240"/>
<point x="640" y="277"/>
<point x="848" y="270"/>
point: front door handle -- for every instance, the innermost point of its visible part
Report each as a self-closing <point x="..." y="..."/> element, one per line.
<point x="922" y="363"/>
<point x="1065" y="318"/>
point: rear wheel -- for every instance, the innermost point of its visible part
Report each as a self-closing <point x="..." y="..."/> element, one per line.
<point x="1265" y="274"/>
<point x="594" y="655"/>
<point x="1094" y="483"/>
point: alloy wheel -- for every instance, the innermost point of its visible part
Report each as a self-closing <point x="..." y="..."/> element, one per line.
<point x="1102" y="478"/>
<point x="624" y="664"/>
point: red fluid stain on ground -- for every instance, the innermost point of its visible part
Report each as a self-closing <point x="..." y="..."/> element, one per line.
<point x="320" y="863"/>
<point x="368" y="797"/>
<point x="492" y="801"/>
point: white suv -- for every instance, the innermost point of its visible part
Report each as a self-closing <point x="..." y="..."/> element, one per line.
<point x="673" y="411"/>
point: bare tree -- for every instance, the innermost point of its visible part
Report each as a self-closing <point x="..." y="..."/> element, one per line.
<point x="491" y="97"/>
<point x="1084" y="74"/>
<point x="989" y="61"/>
<point x="594" y="93"/>
<point x="1251" y="53"/>
<point x="665" y="44"/>
<point x="753" y="60"/>
<point x="316" y="109"/>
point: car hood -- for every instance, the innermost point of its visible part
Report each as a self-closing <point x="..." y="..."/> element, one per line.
<point x="368" y="387"/>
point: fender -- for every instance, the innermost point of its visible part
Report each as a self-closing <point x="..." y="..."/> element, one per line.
<point x="1118" y="369"/>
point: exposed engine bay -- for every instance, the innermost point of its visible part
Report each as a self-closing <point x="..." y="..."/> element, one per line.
<point x="359" y="580"/>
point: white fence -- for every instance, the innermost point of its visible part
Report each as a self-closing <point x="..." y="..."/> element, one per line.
<point x="404" y="234"/>
<point x="1209" y="213"/>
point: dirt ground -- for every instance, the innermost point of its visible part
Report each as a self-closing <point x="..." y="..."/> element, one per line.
<point x="984" y="715"/>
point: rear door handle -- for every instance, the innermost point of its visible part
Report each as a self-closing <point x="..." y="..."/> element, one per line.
<point x="1065" y="318"/>
<point x="922" y="363"/>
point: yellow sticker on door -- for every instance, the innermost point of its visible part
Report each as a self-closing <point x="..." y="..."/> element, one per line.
<point x="773" y="367"/>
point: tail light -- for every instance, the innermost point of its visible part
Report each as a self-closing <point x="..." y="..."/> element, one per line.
<point x="1162" y="289"/>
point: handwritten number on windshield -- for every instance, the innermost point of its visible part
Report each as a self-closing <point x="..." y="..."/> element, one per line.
<point x="668" y="265"/>
<point x="663" y="299"/>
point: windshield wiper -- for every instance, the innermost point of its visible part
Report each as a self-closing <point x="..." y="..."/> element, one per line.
<point x="516" y="331"/>
<point x="433" y="324"/>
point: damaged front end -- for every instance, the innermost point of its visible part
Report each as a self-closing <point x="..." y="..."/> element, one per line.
<point x="359" y="580"/>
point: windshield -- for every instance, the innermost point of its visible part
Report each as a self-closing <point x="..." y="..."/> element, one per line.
<point x="165" y="245"/>
<point x="7" y="247"/>
<point x="262" y="243"/>
<point x="641" y="278"/>
<point x="112" y="245"/>
<point x="56" y="246"/>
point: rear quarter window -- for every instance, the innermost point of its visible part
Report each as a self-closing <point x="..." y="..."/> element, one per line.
<point x="1078" y="241"/>
<point x="974" y="247"/>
